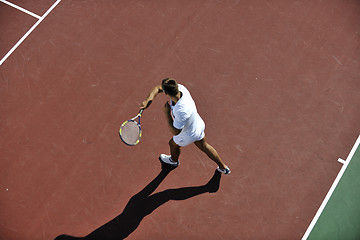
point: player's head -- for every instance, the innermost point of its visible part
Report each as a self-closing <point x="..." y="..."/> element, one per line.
<point x="170" y="87"/>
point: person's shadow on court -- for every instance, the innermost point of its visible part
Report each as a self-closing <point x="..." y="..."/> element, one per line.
<point x="143" y="203"/>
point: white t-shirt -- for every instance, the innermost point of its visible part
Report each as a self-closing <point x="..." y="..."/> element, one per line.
<point x="185" y="114"/>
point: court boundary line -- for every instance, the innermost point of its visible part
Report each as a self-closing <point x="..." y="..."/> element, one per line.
<point x="29" y="31"/>
<point x="332" y="189"/>
<point x="21" y="9"/>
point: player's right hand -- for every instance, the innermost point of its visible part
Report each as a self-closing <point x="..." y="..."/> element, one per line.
<point x="145" y="104"/>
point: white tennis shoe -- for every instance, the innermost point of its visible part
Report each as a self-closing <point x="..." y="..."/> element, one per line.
<point x="224" y="171"/>
<point x="167" y="159"/>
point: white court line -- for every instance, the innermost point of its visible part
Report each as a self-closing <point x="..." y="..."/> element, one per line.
<point x="341" y="161"/>
<point x="328" y="195"/>
<point x="21" y="9"/>
<point x="28" y="32"/>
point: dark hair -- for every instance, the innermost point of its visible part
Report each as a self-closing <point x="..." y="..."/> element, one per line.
<point x="170" y="86"/>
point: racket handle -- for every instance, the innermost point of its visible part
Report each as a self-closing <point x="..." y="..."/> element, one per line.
<point x="141" y="111"/>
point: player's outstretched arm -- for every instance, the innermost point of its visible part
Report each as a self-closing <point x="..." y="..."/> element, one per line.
<point x="153" y="93"/>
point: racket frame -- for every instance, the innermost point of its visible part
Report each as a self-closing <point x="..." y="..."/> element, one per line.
<point x="138" y="124"/>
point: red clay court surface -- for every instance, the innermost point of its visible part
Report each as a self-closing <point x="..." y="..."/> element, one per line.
<point x="277" y="83"/>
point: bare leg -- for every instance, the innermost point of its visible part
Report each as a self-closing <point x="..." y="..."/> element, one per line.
<point x="174" y="150"/>
<point x="210" y="151"/>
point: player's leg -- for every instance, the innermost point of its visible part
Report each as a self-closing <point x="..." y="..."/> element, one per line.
<point x="210" y="151"/>
<point x="172" y="159"/>
<point x="174" y="150"/>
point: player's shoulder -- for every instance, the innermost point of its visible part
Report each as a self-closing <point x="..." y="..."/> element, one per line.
<point x="159" y="87"/>
<point x="182" y="88"/>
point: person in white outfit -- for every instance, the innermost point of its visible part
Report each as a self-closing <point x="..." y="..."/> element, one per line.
<point x="184" y="122"/>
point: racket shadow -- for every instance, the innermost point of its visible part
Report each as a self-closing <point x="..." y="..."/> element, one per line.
<point x="143" y="204"/>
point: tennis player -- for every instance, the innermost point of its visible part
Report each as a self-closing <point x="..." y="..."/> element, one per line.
<point x="184" y="122"/>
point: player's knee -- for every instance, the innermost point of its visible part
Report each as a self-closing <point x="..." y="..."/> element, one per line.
<point x="172" y="143"/>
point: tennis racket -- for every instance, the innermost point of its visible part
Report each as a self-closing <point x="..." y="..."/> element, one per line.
<point x="130" y="130"/>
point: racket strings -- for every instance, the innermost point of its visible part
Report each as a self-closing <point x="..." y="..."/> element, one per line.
<point x="130" y="132"/>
